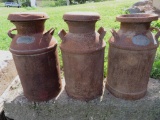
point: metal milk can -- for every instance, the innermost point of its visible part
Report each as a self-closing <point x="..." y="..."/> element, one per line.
<point x="35" y="55"/>
<point x="131" y="55"/>
<point x="83" y="55"/>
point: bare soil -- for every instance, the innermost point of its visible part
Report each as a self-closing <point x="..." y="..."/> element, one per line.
<point x="7" y="70"/>
<point x="7" y="75"/>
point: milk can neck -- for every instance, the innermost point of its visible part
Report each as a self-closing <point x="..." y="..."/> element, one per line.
<point x="29" y="27"/>
<point x="81" y="26"/>
<point x="139" y="27"/>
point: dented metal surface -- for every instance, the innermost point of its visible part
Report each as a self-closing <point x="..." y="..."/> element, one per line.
<point x="131" y="54"/>
<point x="35" y="56"/>
<point x="83" y="55"/>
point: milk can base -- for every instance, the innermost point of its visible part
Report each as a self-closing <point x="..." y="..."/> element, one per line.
<point x="81" y="98"/>
<point x="31" y="98"/>
<point x="126" y="96"/>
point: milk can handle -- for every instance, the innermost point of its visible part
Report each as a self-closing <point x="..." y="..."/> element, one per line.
<point x="50" y="31"/>
<point x="102" y="33"/>
<point x="10" y="34"/>
<point x="158" y="32"/>
<point x="115" y="34"/>
<point x="62" y="34"/>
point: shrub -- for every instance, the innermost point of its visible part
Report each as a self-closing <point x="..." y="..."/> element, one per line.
<point x="155" y="73"/>
<point x="47" y="4"/>
<point x="60" y="3"/>
<point x="156" y="23"/>
<point x="26" y="4"/>
<point x="100" y="0"/>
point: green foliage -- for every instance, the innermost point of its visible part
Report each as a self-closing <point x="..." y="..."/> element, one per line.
<point x="26" y="4"/>
<point x="127" y="12"/>
<point x="81" y="1"/>
<point x="100" y="0"/>
<point x="72" y="2"/>
<point x="156" y="23"/>
<point x="30" y="8"/>
<point x="97" y="0"/>
<point x="60" y="3"/>
<point x="47" y="4"/>
<point x="155" y="73"/>
<point x="84" y="1"/>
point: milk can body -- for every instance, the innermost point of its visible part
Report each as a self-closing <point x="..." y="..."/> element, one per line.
<point x="83" y="55"/>
<point x="35" y="55"/>
<point x="131" y="55"/>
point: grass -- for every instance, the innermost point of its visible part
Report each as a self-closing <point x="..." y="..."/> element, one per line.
<point x="108" y="11"/>
<point x="155" y="73"/>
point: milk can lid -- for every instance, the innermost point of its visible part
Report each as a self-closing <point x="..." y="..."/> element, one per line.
<point x="140" y="17"/>
<point x="27" y="16"/>
<point x="81" y="16"/>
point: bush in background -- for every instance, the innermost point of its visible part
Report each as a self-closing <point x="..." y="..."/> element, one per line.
<point x="46" y="3"/>
<point x="60" y="3"/>
<point x="26" y="4"/>
<point x="100" y="0"/>
<point x="155" y="73"/>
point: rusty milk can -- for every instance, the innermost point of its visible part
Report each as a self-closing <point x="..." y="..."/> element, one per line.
<point x="83" y="55"/>
<point x="131" y="54"/>
<point x="35" y="55"/>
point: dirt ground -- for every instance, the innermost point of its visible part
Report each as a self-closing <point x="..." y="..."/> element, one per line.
<point x="7" y="70"/>
<point x="7" y="77"/>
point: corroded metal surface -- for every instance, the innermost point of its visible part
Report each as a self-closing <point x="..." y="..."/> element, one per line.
<point x="137" y="18"/>
<point x="27" y="16"/>
<point x="83" y="55"/>
<point x="35" y="56"/>
<point x="131" y="54"/>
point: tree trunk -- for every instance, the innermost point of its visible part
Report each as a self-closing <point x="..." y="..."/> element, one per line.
<point x="68" y="2"/>
<point x="33" y="3"/>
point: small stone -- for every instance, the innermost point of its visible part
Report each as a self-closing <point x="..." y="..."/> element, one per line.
<point x="133" y="10"/>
